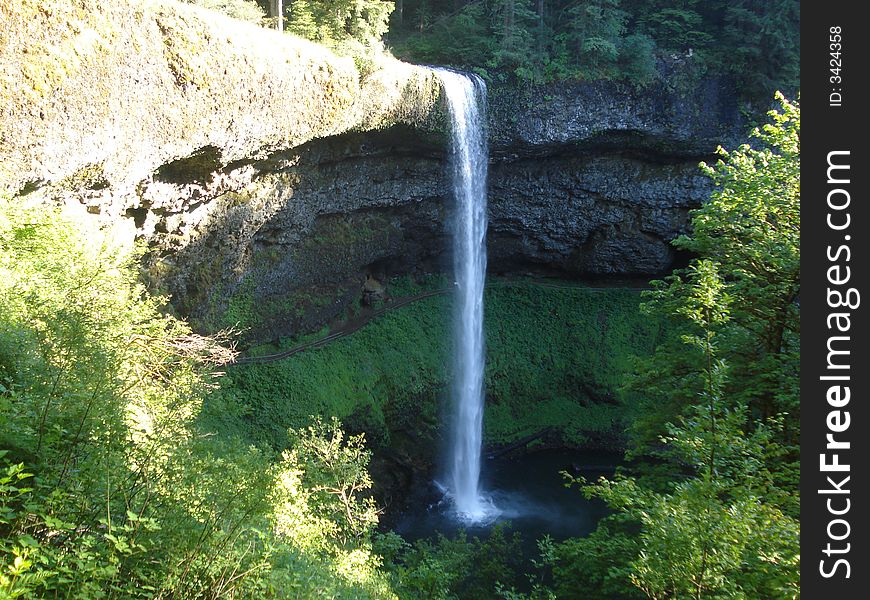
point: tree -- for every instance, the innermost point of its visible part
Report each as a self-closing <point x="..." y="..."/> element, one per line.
<point x="674" y="25"/>
<point x="598" y="566"/>
<point x="763" y="38"/>
<point x="594" y="29"/>
<point x="514" y="24"/>
<point x="751" y="228"/>
<point x="246" y="10"/>
<point x="455" y="567"/>
<point x="324" y="474"/>
<point x="545" y="40"/>
<point x="110" y="482"/>
<point x="715" y="534"/>
<point x="727" y="528"/>
<point x="98" y="397"/>
<point x="301" y="21"/>
<point x="353" y="26"/>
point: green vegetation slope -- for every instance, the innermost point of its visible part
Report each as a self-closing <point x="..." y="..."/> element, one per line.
<point x="555" y="357"/>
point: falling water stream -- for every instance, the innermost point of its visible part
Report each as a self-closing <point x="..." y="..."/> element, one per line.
<point x="466" y="98"/>
<point x="528" y="490"/>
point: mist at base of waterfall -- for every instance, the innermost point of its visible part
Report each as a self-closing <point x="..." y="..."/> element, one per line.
<point x="528" y="492"/>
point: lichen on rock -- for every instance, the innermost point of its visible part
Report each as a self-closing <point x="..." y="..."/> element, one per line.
<point x="133" y="85"/>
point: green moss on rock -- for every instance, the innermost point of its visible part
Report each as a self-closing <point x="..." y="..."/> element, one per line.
<point x="135" y="85"/>
<point x="555" y="357"/>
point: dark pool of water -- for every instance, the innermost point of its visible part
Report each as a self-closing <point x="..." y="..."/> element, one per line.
<point x="527" y="491"/>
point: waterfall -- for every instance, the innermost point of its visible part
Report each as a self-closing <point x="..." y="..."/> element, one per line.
<point x="466" y="98"/>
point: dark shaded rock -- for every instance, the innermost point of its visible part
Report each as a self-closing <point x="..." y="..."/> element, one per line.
<point x="680" y="115"/>
<point x="295" y="236"/>
<point x="269" y="191"/>
<point x="373" y="292"/>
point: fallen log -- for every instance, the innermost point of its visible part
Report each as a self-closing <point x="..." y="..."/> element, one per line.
<point x="521" y="443"/>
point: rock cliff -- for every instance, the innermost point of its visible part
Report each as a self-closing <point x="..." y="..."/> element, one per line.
<point x="271" y="178"/>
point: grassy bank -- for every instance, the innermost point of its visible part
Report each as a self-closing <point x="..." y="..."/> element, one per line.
<point x="556" y="356"/>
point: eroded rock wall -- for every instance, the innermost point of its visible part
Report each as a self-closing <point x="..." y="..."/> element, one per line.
<point x="270" y="178"/>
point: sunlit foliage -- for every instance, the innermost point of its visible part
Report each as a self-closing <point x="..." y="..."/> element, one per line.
<point x="724" y="523"/>
<point x="108" y="487"/>
<point x="246" y="10"/>
<point x="750" y="228"/>
<point x="350" y="26"/>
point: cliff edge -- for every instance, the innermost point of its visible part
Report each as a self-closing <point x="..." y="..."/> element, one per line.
<point x="100" y="95"/>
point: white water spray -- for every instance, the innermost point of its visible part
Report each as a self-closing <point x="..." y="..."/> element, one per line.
<point x="466" y="98"/>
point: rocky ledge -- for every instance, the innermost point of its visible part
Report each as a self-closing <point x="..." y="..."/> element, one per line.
<point x="108" y="99"/>
<point x="271" y="178"/>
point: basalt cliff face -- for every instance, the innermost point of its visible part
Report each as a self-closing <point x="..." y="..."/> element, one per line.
<point x="270" y="179"/>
